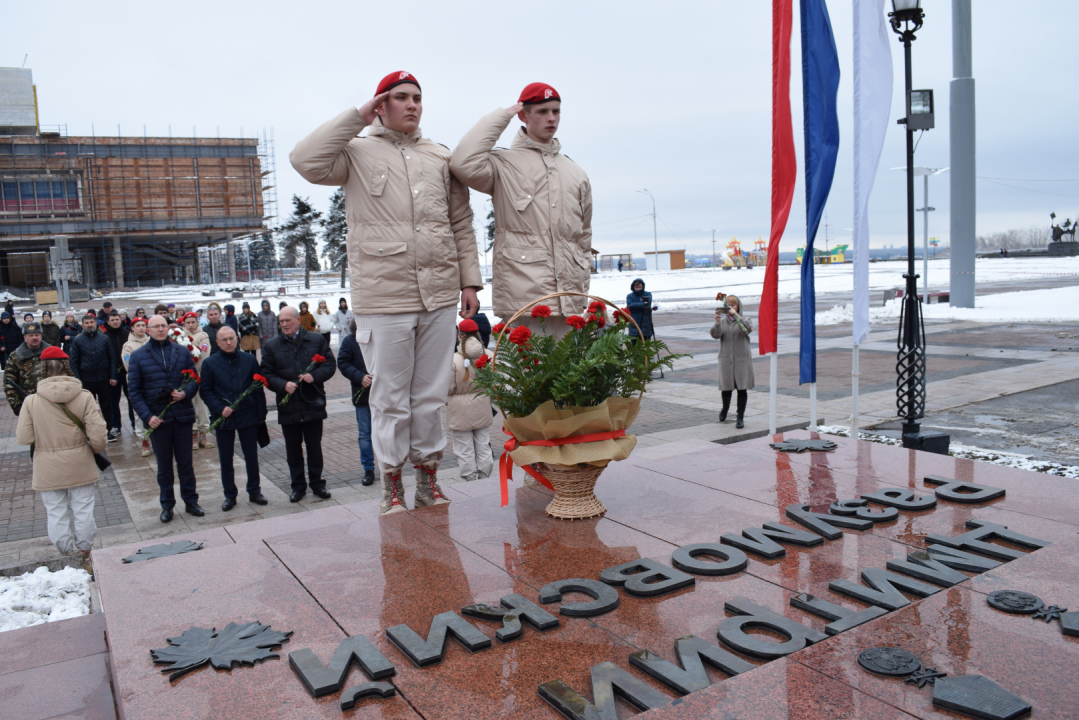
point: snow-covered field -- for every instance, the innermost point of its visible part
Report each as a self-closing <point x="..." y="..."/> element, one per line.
<point x="43" y="596"/>
<point x="1047" y="305"/>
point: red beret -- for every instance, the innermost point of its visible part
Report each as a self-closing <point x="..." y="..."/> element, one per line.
<point x="394" y="79"/>
<point x="538" y="93"/>
<point x="53" y="353"/>
<point x="468" y="326"/>
<point x="188" y="315"/>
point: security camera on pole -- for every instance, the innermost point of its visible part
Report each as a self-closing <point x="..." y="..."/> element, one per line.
<point x="906" y="19"/>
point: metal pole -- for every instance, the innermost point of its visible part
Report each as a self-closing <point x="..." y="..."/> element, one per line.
<point x="854" y="394"/>
<point x="714" y="258"/>
<point x="962" y="151"/>
<point x="773" y="368"/>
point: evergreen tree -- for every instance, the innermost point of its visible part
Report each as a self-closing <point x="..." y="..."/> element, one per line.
<point x="489" y="228"/>
<point x="334" y="235"/>
<point x="299" y="238"/>
<point x="263" y="253"/>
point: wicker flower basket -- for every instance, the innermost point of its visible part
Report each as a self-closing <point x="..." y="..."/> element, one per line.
<point x="574" y="485"/>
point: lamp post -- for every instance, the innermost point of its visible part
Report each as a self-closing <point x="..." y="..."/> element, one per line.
<point x="655" y="233"/>
<point x="906" y="19"/>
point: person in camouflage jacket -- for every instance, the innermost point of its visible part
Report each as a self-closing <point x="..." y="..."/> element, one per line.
<point x="23" y="369"/>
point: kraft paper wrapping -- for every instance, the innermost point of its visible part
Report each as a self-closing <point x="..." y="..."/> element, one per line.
<point x="550" y="423"/>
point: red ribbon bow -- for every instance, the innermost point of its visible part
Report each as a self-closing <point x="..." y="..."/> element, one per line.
<point x="505" y="463"/>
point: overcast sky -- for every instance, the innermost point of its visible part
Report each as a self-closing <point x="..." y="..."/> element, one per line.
<point x="674" y="96"/>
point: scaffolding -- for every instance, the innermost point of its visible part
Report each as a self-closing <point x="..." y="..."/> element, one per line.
<point x="138" y="211"/>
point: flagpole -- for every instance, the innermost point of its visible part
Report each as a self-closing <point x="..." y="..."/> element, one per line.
<point x="773" y="371"/>
<point x="854" y="393"/>
<point x="813" y="406"/>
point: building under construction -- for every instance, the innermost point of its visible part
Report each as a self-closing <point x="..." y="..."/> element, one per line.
<point x="136" y="211"/>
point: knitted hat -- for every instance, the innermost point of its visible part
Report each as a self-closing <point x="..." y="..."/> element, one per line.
<point x="394" y="79"/>
<point x="53" y="353"/>
<point x="535" y="93"/>
<point x="468" y="326"/>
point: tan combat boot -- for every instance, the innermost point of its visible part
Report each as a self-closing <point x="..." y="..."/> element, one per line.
<point x="428" y="492"/>
<point x="393" y="492"/>
<point x="205" y="441"/>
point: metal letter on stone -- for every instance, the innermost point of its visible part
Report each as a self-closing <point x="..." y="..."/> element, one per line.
<point x="901" y="499"/>
<point x="860" y="509"/>
<point x="350" y="697"/>
<point x="963" y="492"/>
<point x="842" y="619"/>
<point x="693" y="652"/>
<point x="764" y="540"/>
<point x="685" y="558"/>
<point x="606" y="597"/>
<point x="158" y="551"/>
<point x="924" y="566"/>
<point x="825" y="524"/>
<point x="975" y="540"/>
<point x="321" y="680"/>
<point x="607" y="679"/>
<point x="971" y="695"/>
<point x="799" y="446"/>
<point x="732" y="631"/>
<point x="516" y="608"/>
<point x="430" y="651"/>
<point x="647" y="578"/>
<point x="244" y="644"/>
<point x="883" y="589"/>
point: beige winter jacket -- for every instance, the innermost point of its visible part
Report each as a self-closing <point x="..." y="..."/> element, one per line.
<point x="62" y="459"/>
<point x="132" y="344"/>
<point x="543" y="215"/>
<point x="466" y="407"/>
<point x="200" y="338"/>
<point x="411" y="246"/>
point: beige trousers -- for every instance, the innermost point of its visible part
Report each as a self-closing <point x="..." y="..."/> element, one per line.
<point x="473" y="451"/>
<point x="202" y="415"/>
<point x="410" y="356"/>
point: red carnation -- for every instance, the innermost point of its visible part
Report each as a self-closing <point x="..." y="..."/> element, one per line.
<point x="260" y="379"/>
<point x="576" y="321"/>
<point x="520" y="335"/>
<point x="318" y="359"/>
<point x="621" y="315"/>
<point x="191" y="348"/>
<point x="481" y="362"/>
<point x="498" y="328"/>
<point x="600" y="320"/>
<point x="595" y="306"/>
<point x="541" y="311"/>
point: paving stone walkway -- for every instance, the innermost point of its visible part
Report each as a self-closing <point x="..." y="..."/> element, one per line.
<point x="967" y="363"/>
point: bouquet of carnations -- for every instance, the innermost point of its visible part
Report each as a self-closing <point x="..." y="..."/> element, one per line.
<point x="567" y="403"/>
<point x="190" y="376"/>
<point x="182" y="339"/>
<point x="315" y="362"/>
<point x="258" y="384"/>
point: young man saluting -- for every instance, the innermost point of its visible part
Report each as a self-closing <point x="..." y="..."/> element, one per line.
<point x="411" y="253"/>
<point x="542" y="204"/>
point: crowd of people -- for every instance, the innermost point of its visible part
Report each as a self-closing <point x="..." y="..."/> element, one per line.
<point x="410" y="362"/>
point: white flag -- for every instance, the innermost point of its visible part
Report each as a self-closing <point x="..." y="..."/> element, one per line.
<point x="872" y="107"/>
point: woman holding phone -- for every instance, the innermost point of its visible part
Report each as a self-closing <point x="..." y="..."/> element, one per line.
<point x="735" y="359"/>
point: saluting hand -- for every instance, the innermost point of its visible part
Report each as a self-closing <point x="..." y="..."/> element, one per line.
<point x="514" y="109"/>
<point x="367" y="110"/>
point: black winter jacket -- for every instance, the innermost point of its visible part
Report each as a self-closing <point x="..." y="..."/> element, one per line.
<point x="92" y="358"/>
<point x="225" y="376"/>
<point x="284" y="360"/>
<point x="71" y="331"/>
<point x="118" y="337"/>
<point x="230" y="318"/>
<point x="249" y="324"/>
<point x="211" y="333"/>
<point x="10" y="336"/>
<point x="640" y="307"/>
<point x="153" y="371"/>
<point x="485" y="328"/>
<point x="350" y="363"/>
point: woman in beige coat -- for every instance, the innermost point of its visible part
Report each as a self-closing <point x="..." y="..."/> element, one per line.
<point x="468" y="411"/>
<point x="202" y="416"/>
<point x="63" y="453"/>
<point x="735" y="359"/>
<point x="135" y="340"/>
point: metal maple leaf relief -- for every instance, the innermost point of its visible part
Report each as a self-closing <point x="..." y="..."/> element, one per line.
<point x="158" y="551"/>
<point x="244" y="644"/>
<point x="803" y="445"/>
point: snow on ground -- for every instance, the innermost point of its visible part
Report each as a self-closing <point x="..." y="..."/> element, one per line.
<point x="1047" y="305"/>
<point x="43" y="596"/>
<point x="997" y="457"/>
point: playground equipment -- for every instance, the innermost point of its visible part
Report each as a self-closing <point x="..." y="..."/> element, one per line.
<point x="759" y="255"/>
<point x="734" y="257"/>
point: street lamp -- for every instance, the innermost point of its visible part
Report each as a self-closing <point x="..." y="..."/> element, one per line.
<point x="655" y="234"/>
<point x="906" y="19"/>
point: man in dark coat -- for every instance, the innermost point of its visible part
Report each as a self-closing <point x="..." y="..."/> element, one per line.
<point x="213" y="324"/>
<point x="118" y="334"/>
<point x="230" y="318"/>
<point x="93" y="362"/>
<point x="350" y="363"/>
<point x="284" y="363"/>
<point x="23" y="369"/>
<point x="640" y="307"/>
<point x="155" y="374"/>
<point x="225" y="376"/>
<point x="10" y="336"/>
